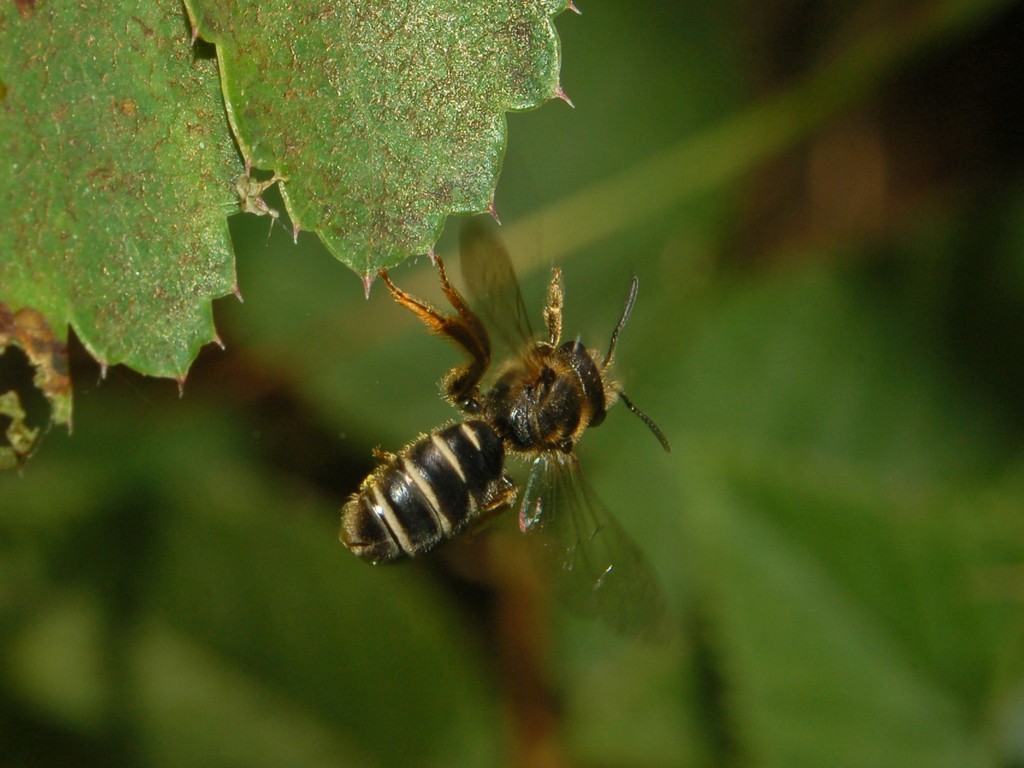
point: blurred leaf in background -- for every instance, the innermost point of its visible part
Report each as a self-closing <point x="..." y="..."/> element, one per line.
<point x="824" y="204"/>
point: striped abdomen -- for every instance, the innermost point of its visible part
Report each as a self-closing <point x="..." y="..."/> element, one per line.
<point x="427" y="493"/>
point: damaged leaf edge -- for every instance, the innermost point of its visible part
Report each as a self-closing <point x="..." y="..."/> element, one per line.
<point x="29" y="329"/>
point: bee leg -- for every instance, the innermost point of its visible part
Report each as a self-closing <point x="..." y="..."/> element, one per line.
<point x="553" y="308"/>
<point x="501" y="496"/>
<point x="463" y="328"/>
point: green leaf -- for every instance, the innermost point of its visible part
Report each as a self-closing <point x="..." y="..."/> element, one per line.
<point x="384" y="117"/>
<point x="117" y="169"/>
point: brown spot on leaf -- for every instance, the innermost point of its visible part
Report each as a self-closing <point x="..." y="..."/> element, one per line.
<point x="128" y="107"/>
<point x="25" y="7"/>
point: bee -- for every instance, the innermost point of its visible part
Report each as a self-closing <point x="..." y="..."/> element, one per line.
<point x="541" y="401"/>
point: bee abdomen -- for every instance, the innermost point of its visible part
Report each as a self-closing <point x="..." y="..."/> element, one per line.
<point x="427" y="493"/>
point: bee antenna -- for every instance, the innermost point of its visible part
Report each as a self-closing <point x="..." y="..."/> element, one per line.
<point x="643" y="416"/>
<point x="633" y="286"/>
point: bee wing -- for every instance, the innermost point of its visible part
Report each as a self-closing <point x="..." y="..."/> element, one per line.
<point x="597" y="569"/>
<point x="491" y="280"/>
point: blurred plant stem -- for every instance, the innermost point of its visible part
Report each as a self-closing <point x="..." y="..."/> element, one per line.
<point x="701" y="163"/>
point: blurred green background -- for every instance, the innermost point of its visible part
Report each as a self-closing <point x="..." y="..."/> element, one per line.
<point x="824" y="203"/>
